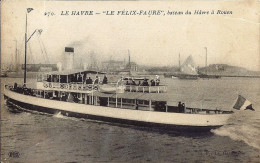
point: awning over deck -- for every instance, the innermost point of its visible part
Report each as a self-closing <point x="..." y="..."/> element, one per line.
<point x="74" y="71"/>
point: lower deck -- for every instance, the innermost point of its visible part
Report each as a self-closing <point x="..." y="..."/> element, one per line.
<point x="128" y="100"/>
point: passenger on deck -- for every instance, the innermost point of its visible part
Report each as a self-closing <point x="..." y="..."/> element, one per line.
<point x="139" y="83"/>
<point x="121" y="81"/>
<point x="145" y="82"/>
<point x="104" y="80"/>
<point x="133" y="82"/>
<point x="157" y="81"/>
<point x="136" y="105"/>
<point x="15" y="86"/>
<point x="69" y="78"/>
<point x="84" y="78"/>
<point x="55" y="79"/>
<point x="89" y="81"/>
<point x="74" y="78"/>
<point x="127" y="83"/>
<point x="179" y="106"/>
<point x="183" y="108"/>
<point x="70" y="98"/>
<point x="49" y="78"/>
<point x="80" y="78"/>
<point x="77" y="78"/>
<point x="152" y="82"/>
<point x="96" y="80"/>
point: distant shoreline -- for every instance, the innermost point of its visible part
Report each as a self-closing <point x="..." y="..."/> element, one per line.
<point x="33" y="75"/>
<point x="239" y="76"/>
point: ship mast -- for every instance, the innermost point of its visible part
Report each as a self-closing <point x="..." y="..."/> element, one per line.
<point x="129" y="62"/>
<point x="16" y="56"/>
<point x="206" y="64"/>
<point x="179" y="61"/>
<point x="25" y="49"/>
<point x="26" y="41"/>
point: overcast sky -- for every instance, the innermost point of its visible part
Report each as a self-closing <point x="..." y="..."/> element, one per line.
<point x="151" y="40"/>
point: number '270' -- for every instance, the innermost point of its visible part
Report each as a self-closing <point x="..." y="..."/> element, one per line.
<point x="49" y="14"/>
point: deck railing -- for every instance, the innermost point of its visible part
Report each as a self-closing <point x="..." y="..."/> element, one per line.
<point x="66" y="86"/>
<point x="146" y="89"/>
<point x="90" y="87"/>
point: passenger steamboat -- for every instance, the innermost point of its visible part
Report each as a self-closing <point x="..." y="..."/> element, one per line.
<point x="120" y="102"/>
<point x="73" y="93"/>
<point x="127" y="101"/>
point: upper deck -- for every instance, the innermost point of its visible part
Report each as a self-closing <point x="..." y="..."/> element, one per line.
<point x="80" y="81"/>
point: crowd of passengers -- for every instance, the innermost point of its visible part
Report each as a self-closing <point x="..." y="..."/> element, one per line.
<point x="81" y="78"/>
<point x="22" y="89"/>
<point x="143" y="83"/>
<point x="78" y="78"/>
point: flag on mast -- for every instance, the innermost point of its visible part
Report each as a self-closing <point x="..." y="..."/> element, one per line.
<point x="40" y="31"/>
<point x="243" y="104"/>
<point x="29" y="10"/>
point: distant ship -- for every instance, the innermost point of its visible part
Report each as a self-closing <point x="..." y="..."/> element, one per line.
<point x="205" y="75"/>
<point x="188" y="70"/>
<point x="209" y="76"/>
<point x="3" y="74"/>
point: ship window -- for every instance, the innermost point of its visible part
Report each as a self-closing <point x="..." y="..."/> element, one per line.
<point x="146" y="102"/>
<point x="112" y="99"/>
<point x="129" y="101"/>
<point x="140" y="101"/>
<point x="63" y="79"/>
<point x="55" y="78"/>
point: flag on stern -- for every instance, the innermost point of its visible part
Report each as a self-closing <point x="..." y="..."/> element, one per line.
<point x="29" y="10"/>
<point x="243" y="104"/>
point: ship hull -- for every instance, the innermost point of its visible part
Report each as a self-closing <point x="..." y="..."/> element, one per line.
<point x="169" y="121"/>
<point x="204" y="76"/>
<point x="188" y="77"/>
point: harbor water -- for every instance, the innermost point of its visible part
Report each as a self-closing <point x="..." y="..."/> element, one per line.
<point x="36" y="137"/>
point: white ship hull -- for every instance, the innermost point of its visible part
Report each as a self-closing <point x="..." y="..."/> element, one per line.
<point x="182" y="121"/>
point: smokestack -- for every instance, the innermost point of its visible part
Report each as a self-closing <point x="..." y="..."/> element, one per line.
<point x="69" y="58"/>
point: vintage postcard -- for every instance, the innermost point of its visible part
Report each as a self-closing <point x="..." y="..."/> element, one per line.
<point x="130" y="81"/>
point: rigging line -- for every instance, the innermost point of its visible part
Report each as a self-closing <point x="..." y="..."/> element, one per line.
<point x="12" y="59"/>
<point x="41" y="49"/>
<point x="44" y="49"/>
<point x="31" y="56"/>
<point x="45" y="53"/>
<point x="19" y="51"/>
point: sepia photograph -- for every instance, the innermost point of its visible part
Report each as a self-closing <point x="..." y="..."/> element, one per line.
<point x="130" y="81"/>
